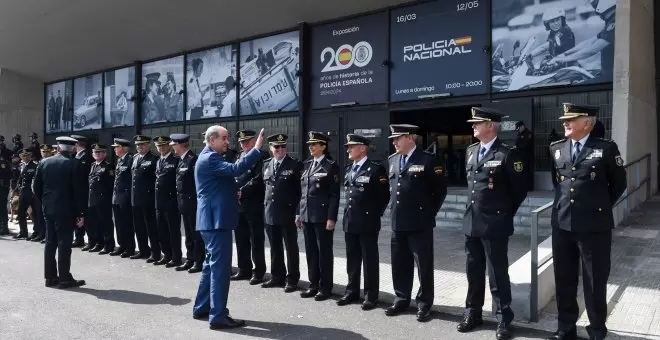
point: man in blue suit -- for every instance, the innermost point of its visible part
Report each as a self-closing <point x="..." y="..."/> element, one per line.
<point x="217" y="217"/>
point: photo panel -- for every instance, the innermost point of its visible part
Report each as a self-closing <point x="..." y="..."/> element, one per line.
<point x="162" y="89"/>
<point x="88" y="102"/>
<point x="211" y="90"/>
<point x="59" y="107"/>
<point x="119" y="95"/>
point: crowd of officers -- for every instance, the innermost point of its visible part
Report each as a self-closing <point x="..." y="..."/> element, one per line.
<point x="150" y="194"/>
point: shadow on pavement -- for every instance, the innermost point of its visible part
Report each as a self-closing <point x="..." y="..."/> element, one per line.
<point x="274" y="330"/>
<point x="127" y="296"/>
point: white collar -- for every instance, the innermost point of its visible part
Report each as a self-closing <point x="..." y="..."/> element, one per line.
<point x="360" y="163"/>
<point x="185" y="153"/>
<point x="582" y="142"/>
<point x="488" y="145"/>
<point x="319" y="159"/>
<point x="168" y="155"/>
<point x="410" y="152"/>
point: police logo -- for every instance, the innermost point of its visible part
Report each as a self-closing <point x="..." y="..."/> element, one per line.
<point x="474" y="113"/>
<point x="311" y="135"/>
<point x="280" y="137"/>
<point x="438" y="170"/>
<point x="242" y="134"/>
<point x="518" y="166"/>
<point x="3" y="166"/>
<point x="138" y="139"/>
<point x="619" y="160"/>
<point x="566" y="109"/>
<point x="160" y="139"/>
<point x="382" y="179"/>
<point x="557" y="154"/>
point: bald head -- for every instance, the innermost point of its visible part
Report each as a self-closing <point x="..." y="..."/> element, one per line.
<point x="217" y="138"/>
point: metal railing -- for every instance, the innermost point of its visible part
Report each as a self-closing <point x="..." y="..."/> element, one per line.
<point x="638" y="182"/>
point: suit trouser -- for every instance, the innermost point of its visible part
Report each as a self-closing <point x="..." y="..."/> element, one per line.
<point x="214" y="283"/>
<point x="250" y="239"/>
<point x="100" y="226"/>
<point x="124" y="223"/>
<point x="593" y="251"/>
<point x="169" y="232"/>
<point x="24" y="202"/>
<point x="146" y="231"/>
<point x="494" y="252"/>
<point x="410" y="248"/>
<point x="59" y="235"/>
<point x="289" y="235"/>
<point x="320" y="258"/>
<point x="4" y="199"/>
<point x="195" y="251"/>
<point x="39" y="225"/>
<point x="362" y="248"/>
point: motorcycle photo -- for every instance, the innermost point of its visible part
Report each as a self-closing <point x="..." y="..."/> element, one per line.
<point x="520" y="72"/>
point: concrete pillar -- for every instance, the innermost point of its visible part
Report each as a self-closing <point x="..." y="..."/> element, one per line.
<point x="21" y="107"/>
<point x="634" y="116"/>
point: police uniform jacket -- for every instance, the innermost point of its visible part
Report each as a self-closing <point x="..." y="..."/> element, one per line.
<point x="319" y="201"/>
<point x="144" y="178"/>
<point x="185" y="182"/>
<point x="282" y="192"/>
<point x="56" y="187"/>
<point x="417" y="191"/>
<point x="122" y="188"/>
<point x="101" y="180"/>
<point x="251" y="186"/>
<point x="586" y="189"/>
<point x="85" y="161"/>
<point x="166" y="196"/>
<point x="367" y="196"/>
<point x="25" y="179"/>
<point x="495" y="190"/>
<point x="5" y="171"/>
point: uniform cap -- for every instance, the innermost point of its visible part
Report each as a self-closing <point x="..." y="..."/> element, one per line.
<point x="121" y="142"/>
<point x="98" y="147"/>
<point x="141" y="139"/>
<point x="572" y="111"/>
<point x="66" y="140"/>
<point x="402" y="130"/>
<point x="317" y="137"/>
<point x="244" y="135"/>
<point x="154" y="76"/>
<point x="162" y="140"/>
<point x="26" y="152"/>
<point x="179" y="138"/>
<point x="79" y="138"/>
<point x="278" y="139"/>
<point x="46" y="148"/>
<point x="353" y="139"/>
<point x="486" y="114"/>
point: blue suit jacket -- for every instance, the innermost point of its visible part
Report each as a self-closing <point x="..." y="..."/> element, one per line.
<point x="217" y="202"/>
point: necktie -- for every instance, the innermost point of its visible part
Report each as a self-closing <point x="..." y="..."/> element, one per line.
<point x="482" y="151"/>
<point x="316" y="163"/>
<point x="403" y="161"/>
<point x="577" y="150"/>
<point x="277" y="166"/>
<point x="355" y="170"/>
<point x="160" y="164"/>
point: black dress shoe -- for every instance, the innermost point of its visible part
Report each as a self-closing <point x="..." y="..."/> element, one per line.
<point x="70" y="284"/>
<point x="368" y="305"/>
<point x="89" y="246"/>
<point x="130" y="255"/>
<point x="308" y="293"/>
<point x="290" y="288"/>
<point x="201" y="316"/>
<point x="78" y="244"/>
<point x="424" y="314"/>
<point x="347" y="299"/>
<point x="20" y="236"/>
<point x="173" y="263"/>
<point x="195" y="269"/>
<point x="52" y="282"/>
<point x="255" y="280"/>
<point x="564" y="335"/>
<point x="228" y="323"/>
<point x="162" y="261"/>
<point x="187" y="265"/>
<point x="30" y="237"/>
<point x="105" y="251"/>
<point x="503" y="331"/>
<point x="152" y="259"/>
<point x="322" y="296"/>
<point x="240" y="276"/>
<point x="96" y="249"/>
<point x="272" y="283"/>
<point x="469" y="322"/>
<point x="395" y="309"/>
<point x="43" y="241"/>
<point x="117" y="252"/>
<point x="39" y="238"/>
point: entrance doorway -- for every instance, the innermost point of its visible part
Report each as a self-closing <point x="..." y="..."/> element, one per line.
<point x="445" y="132"/>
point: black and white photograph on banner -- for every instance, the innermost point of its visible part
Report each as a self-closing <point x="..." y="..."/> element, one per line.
<point x="120" y="97"/>
<point x="59" y="106"/>
<point x="270" y="74"/>
<point x="210" y="89"/>
<point x="87" y="102"/>
<point x="552" y="43"/>
<point x="162" y="89"/>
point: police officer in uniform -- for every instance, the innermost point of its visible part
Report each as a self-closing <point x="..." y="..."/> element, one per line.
<point x="417" y="190"/>
<point x="143" y="199"/>
<point x="25" y="195"/>
<point x="46" y="152"/>
<point x="317" y="215"/>
<point x="590" y="178"/>
<point x="495" y="172"/>
<point x="167" y="210"/>
<point x="121" y="200"/>
<point x="101" y="182"/>
<point x="282" y="180"/>
<point x="5" y="183"/>
<point x="525" y="144"/>
<point x="187" y="201"/>
<point x="366" y="186"/>
<point x="250" y="231"/>
<point x="85" y="160"/>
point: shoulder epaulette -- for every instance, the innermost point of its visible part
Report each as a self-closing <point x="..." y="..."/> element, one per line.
<point x="474" y="144"/>
<point x="507" y="146"/>
<point x="429" y="153"/>
<point x="308" y="160"/>
<point x="605" y="140"/>
<point x="392" y="155"/>
<point x="268" y="159"/>
<point x="330" y="161"/>
<point x="558" y="141"/>
<point x="376" y="162"/>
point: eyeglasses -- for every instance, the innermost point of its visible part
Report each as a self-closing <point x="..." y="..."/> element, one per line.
<point x="279" y="146"/>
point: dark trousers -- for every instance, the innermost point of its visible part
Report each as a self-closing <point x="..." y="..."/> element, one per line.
<point x="320" y="258"/>
<point x="24" y="202"/>
<point x="410" y="248"/>
<point x="362" y="249"/>
<point x="100" y="226"/>
<point x="4" y="197"/>
<point x="494" y="252"/>
<point x="124" y="223"/>
<point x="250" y="241"/>
<point x="59" y="235"/>
<point x="169" y="232"/>
<point x="80" y="233"/>
<point x="39" y="225"/>
<point x="289" y="236"/>
<point x="146" y="231"/>
<point x="195" y="251"/>
<point x="593" y="251"/>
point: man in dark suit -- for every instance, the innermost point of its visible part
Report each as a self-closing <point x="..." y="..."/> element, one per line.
<point x="187" y="201"/>
<point x="167" y="210"/>
<point x="590" y="178"/>
<point x="101" y="182"/>
<point x="282" y="180"/>
<point x="495" y="172"/>
<point x="5" y="184"/>
<point x="121" y="200"/>
<point x="250" y="231"/>
<point x="25" y="195"/>
<point x="85" y="160"/>
<point x="217" y="216"/>
<point x="417" y="190"/>
<point x="55" y="185"/>
<point x="367" y="193"/>
<point x="143" y="201"/>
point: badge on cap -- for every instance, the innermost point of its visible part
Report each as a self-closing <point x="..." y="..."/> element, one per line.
<point x="242" y="134"/>
<point x="280" y="137"/>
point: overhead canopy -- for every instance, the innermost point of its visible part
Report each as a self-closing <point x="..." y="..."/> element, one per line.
<point x="54" y="39"/>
